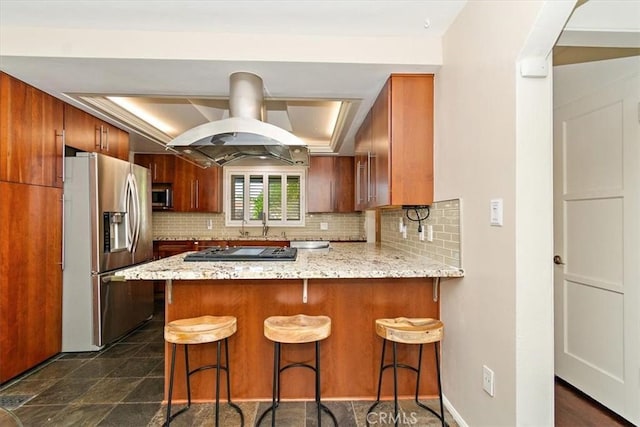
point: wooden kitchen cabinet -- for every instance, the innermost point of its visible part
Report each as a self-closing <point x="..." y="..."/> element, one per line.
<point x="330" y="184"/>
<point x="278" y="243"/>
<point x="399" y="167"/>
<point x="31" y="141"/>
<point x="85" y="132"/>
<point x="162" y="166"/>
<point x="30" y="276"/>
<point x="362" y="166"/>
<point x="196" y="189"/>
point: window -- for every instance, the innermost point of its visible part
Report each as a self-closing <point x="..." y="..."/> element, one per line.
<point x="276" y="191"/>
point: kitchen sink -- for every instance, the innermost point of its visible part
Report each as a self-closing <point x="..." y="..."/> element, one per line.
<point x="310" y="244"/>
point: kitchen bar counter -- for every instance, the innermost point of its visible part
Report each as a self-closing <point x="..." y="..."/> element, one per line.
<point x="352" y="283"/>
<point x="342" y="261"/>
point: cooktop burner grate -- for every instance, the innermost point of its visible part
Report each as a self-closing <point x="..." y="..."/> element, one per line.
<point x="244" y="253"/>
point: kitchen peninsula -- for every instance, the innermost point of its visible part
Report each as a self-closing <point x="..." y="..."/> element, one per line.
<point x="353" y="283"/>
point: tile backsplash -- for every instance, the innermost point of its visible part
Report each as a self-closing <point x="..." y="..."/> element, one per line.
<point x="170" y="225"/>
<point x="444" y="217"/>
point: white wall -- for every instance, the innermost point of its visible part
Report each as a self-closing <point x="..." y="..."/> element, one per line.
<point x="493" y="131"/>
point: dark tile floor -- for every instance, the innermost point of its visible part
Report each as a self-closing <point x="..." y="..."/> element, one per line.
<point x="122" y="386"/>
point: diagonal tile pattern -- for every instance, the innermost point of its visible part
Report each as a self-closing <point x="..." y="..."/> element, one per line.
<point x="122" y="386"/>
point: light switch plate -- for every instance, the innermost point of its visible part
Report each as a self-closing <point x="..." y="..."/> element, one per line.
<point x="496" y="212"/>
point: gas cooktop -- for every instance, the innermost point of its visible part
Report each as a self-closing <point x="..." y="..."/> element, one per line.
<point x="244" y="253"/>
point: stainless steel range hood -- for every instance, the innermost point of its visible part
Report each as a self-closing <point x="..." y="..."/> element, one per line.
<point x="244" y="134"/>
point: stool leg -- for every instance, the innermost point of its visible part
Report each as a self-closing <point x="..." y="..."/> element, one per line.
<point x="218" y="355"/>
<point x="395" y="382"/>
<point x="319" y="407"/>
<point x="173" y="365"/>
<point x="188" y="374"/>
<point x="384" y="346"/>
<point x="439" y="384"/>
<point x="276" y="383"/>
<point x="418" y="371"/>
<point x="228" y="370"/>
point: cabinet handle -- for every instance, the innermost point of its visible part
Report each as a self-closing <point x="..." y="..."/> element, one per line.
<point x="98" y="143"/>
<point x="191" y="185"/>
<point x="332" y="195"/>
<point x="62" y="171"/>
<point x="197" y="194"/>
<point x="358" y="199"/>
<point x="62" y="243"/>
<point x="155" y="171"/>
<point x="106" y="142"/>
<point x="368" y="176"/>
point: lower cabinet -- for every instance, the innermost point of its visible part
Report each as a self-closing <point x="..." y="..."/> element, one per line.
<point x="30" y="276"/>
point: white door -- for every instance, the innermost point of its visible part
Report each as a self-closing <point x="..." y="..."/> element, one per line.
<point x="597" y="244"/>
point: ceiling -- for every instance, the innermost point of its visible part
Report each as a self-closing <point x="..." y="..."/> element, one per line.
<point x="174" y="58"/>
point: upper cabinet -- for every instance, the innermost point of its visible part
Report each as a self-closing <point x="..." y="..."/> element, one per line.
<point x="363" y="165"/>
<point x="162" y="166"/>
<point x="394" y="146"/>
<point x="31" y="137"/>
<point x="196" y="189"/>
<point x="330" y="184"/>
<point x="85" y="132"/>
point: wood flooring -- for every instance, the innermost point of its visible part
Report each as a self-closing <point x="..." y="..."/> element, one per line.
<point x="575" y="409"/>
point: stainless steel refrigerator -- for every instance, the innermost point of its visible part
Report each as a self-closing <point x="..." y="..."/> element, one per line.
<point x="107" y="226"/>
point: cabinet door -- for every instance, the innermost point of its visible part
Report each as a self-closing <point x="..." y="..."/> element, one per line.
<point x="31" y="144"/>
<point x="82" y="130"/>
<point x="162" y="166"/>
<point x="380" y="142"/>
<point x="411" y="136"/>
<point x="330" y="184"/>
<point x="320" y="184"/>
<point x="30" y="276"/>
<point x="122" y="151"/>
<point x="363" y="165"/>
<point x="343" y="199"/>
<point x="85" y="132"/>
<point x="208" y="189"/>
<point x="278" y="243"/>
<point x="174" y="247"/>
<point x="196" y="189"/>
<point x="183" y="187"/>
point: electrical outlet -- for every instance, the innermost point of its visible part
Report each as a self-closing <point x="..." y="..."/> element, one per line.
<point x="209" y="224"/>
<point x="487" y="380"/>
<point x="404" y="231"/>
<point x="324" y="226"/>
<point x="429" y="233"/>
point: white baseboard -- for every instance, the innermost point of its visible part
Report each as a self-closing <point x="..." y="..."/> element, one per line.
<point x="456" y="416"/>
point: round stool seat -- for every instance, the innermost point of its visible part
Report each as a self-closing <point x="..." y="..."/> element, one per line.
<point x="199" y="330"/>
<point x="297" y="329"/>
<point x="410" y="330"/>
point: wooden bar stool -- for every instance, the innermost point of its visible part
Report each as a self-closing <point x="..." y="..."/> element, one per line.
<point x="409" y="331"/>
<point x="201" y="330"/>
<point x="296" y="329"/>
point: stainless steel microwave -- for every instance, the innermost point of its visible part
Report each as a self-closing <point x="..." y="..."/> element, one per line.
<point x="162" y="197"/>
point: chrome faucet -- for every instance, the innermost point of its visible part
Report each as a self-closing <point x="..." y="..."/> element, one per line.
<point x="265" y="228"/>
<point x="242" y="232"/>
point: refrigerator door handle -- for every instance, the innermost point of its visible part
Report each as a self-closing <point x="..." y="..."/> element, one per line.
<point x="131" y="213"/>
<point x="136" y="218"/>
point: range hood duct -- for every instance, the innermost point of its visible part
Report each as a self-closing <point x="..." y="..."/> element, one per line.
<point x="244" y="134"/>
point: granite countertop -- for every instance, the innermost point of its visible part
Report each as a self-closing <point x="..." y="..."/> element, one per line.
<point x="342" y="261"/>
<point x="260" y="238"/>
